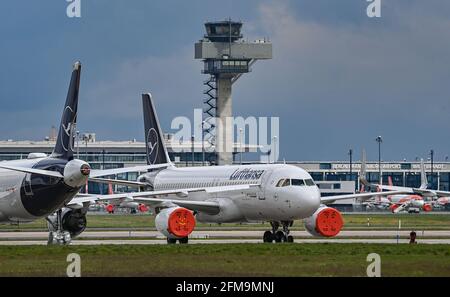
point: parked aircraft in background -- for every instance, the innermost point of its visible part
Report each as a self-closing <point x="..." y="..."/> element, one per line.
<point x="133" y="207"/>
<point x="413" y="201"/>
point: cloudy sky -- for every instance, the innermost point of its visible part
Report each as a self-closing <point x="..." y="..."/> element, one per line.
<point x="337" y="80"/>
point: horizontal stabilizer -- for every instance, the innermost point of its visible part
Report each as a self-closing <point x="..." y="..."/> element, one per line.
<point x="33" y="170"/>
<point x="106" y="172"/>
<point x="127" y="183"/>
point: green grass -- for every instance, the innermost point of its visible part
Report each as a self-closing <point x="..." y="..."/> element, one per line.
<point x="352" y="221"/>
<point x="227" y="260"/>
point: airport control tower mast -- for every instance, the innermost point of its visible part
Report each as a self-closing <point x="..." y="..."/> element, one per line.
<point x="226" y="57"/>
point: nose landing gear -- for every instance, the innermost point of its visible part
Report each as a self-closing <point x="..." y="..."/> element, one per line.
<point x="278" y="235"/>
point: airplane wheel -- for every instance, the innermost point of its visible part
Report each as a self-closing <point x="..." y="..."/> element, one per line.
<point x="184" y="240"/>
<point x="268" y="236"/>
<point x="290" y="238"/>
<point x="279" y="236"/>
<point x="171" y="241"/>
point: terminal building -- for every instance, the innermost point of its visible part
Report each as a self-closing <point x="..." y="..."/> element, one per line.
<point x="332" y="177"/>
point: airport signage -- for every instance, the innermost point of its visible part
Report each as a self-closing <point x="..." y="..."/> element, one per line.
<point x="388" y="166"/>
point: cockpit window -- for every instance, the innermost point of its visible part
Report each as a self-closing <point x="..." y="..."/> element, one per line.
<point x="309" y="182"/>
<point x="287" y="182"/>
<point x="298" y="182"/>
<point x="280" y="182"/>
<point x="284" y="182"/>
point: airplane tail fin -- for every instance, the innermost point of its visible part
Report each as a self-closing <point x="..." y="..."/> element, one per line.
<point x="362" y="172"/>
<point x="390" y="183"/>
<point x="155" y="146"/>
<point x="64" y="143"/>
<point x="423" y="176"/>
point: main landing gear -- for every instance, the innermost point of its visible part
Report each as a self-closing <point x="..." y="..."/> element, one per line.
<point x="278" y="235"/>
<point x="57" y="235"/>
<point x="183" y="240"/>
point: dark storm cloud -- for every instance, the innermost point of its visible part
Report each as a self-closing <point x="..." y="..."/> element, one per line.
<point x="338" y="79"/>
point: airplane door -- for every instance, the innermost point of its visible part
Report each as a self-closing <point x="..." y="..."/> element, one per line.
<point x="265" y="180"/>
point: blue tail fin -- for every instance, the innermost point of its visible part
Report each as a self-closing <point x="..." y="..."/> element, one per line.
<point x="64" y="147"/>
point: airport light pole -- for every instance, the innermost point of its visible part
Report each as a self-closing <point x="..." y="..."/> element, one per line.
<point x="192" y="143"/>
<point x="350" y="153"/>
<point x="379" y="140"/>
<point x="240" y="145"/>
<point x="103" y="168"/>
<point x="103" y="159"/>
<point x="432" y="161"/>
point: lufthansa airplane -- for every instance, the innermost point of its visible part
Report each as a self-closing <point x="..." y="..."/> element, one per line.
<point x="47" y="186"/>
<point x="277" y="193"/>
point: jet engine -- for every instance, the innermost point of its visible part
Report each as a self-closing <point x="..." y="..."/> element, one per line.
<point x="175" y="222"/>
<point x="76" y="173"/>
<point x="325" y="222"/>
<point x="72" y="220"/>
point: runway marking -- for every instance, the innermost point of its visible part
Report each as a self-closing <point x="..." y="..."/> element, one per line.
<point x="224" y="241"/>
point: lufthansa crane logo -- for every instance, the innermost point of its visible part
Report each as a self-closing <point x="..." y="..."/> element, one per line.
<point x="67" y="142"/>
<point x="152" y="146"/>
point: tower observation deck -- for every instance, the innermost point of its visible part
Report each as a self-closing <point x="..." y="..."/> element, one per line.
<point x="226" y="58"/>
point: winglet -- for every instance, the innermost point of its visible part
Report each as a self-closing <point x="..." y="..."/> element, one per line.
<point x="155" y="146"/>
<point x="423" y="176"/>
<point x="64" y="143"/>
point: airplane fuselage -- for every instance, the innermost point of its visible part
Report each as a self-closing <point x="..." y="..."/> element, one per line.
<point x="25" y="197"/>
<point x="273" y="199"/>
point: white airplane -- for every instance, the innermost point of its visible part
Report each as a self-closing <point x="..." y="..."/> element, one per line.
<point x="40" y="185"/>
<point x="277" y="193"/>
<point x="411" y="200"/>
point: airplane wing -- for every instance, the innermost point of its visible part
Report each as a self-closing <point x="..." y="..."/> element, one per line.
<point x="118" y="182"/>
<point x="33" y="170"/>
<point x="98" y="173"/>
<point x="154" y="198"/>
<point x="329" y="199"/>
<point x="419" y="191"/>
<point x="93" y="174"/>
<point x="209" y="207"/>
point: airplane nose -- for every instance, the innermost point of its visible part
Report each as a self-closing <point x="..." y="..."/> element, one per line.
<point x="310" y="201"/>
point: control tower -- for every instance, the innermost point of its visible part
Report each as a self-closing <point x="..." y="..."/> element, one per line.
<point x="226" y="56"/>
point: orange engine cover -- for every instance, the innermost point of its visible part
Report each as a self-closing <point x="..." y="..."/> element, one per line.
<point x="393" y="207"/>
<point x="329" y="222"/>
<point x="110" y="208"/>
<point x="326" y="222"/>
<point x="175" y="222"/>
<point x="143" y="208"/>
<point x="427" y="207"/>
